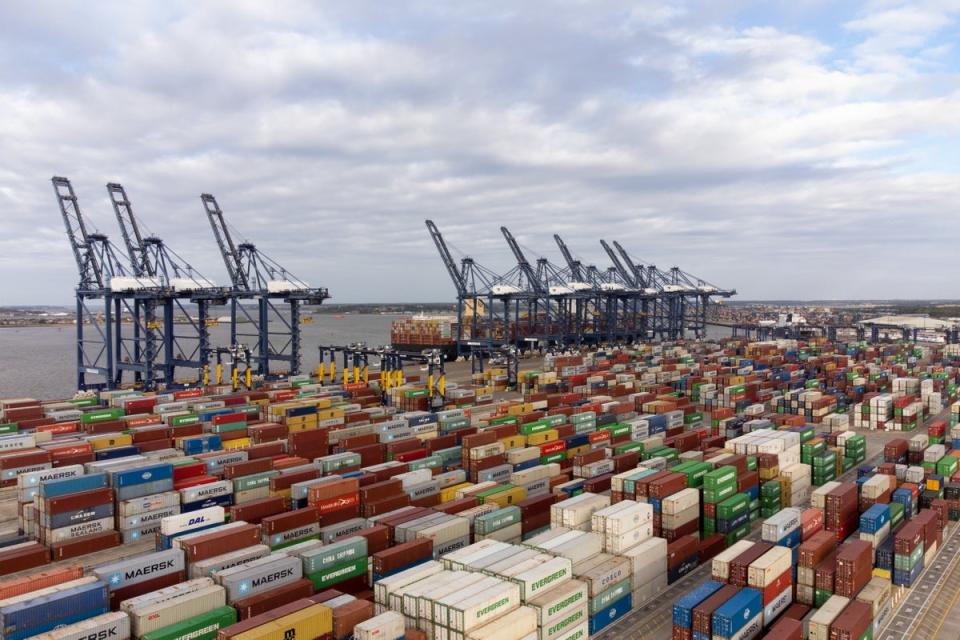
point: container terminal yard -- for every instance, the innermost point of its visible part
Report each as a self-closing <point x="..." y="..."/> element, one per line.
<point x="628" y="478"/>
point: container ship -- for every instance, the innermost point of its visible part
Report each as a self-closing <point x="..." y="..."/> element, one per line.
<point x="417" y="333"/>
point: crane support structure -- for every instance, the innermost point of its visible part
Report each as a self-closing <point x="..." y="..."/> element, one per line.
<point x="265" y="301"/>
<point x="537" y="305"/>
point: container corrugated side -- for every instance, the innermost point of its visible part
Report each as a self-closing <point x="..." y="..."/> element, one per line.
<point x="154" y="617"/>
<point x="557" y="602"/>
<point x="228" y="560"/>
<point x="140" y="568"/>
<point x="202" y="627"/>
<point x="518" y="624"/>
<point x="484" y="606"/>
<point x="109" y="626"/>
<point x="311" y="622"/>
<point x="387" y="625"/>
<point x="385" y="586"/>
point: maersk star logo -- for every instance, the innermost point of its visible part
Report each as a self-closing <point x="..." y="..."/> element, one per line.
<point x="115" y="578"/>
<point x="244" y="586"/>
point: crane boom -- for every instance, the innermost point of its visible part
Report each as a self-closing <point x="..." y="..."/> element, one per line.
<point x="531" y="275"/>
<point x="88" y="264"/>
<point x="628" y="276"/>
<point x="642" y="278"/>
<point x="130" y="230"/>
<point x="458" y="281"/>
<point x="231" y="258"/>
<point x="574" y="265"/>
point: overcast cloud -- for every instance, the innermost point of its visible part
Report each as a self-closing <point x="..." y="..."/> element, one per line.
<point x="787" y="149"/>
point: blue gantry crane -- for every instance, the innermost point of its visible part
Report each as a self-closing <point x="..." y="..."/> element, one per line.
<point x="184" y="334"/>
<point x="543" y="305"/>
<point x="271" y="320"/>
<point x="104" y="348"/>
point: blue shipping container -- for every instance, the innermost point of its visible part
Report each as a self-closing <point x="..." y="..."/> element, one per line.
<point x="614" y="612"/>
<point x="222" y="501"/>
<point x="736" y="612"/>
<point x="201" y="444"/>
<point x="140" y="475"/>
<point x="56" y="488"/>
<point x="683" y="608"/>
<point x="116" y="452"/>
<point x="38" y="615"/>
<point x="873" y="519"/>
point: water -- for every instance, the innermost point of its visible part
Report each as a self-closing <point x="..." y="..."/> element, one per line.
<point x="39" y="362"/>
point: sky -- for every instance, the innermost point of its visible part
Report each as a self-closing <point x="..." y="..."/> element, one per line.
<point x="787" y="149"/>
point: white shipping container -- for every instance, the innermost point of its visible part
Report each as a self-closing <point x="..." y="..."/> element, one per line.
<point x="750" y="630"/>
<point x="620" y="543"/>
<point x="518" y="624"/>
<point x="383" y="587"/>
<point x="720" y="567"/>
<point x="677" y="520"/>
<point x="777" y="606"/>
<point x="543" y="577"/>
<point x="386" y="626"/>
<point x="780" y="524"/>
<point x="681" y="501"/>
<point x="108" y="626"/>
<point x="819" y="628"/>
<point x="173" y="525"/>
<point x="584" y="545"/>
<point x="484" y="606"/>
<point x="559" y="601"/>
<point x="163" y="614"/>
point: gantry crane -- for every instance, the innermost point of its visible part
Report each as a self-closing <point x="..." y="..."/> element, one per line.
<point x="184" y="339"/>
<point x="545" y="290"/>
<point x="272" y="324"/>
<point x="487" y="306"/>
<point x="615" y="301"/>
<point x="100" y="344"/>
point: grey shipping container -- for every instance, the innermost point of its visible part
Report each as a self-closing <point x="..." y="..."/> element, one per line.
<point x="228" y="560"/>
<point x="140" y="568"/>
<point x="259" y="576"/>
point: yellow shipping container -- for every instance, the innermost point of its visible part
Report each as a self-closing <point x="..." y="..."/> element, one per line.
<point x="536" y="439"/>
<point x="283" y="493"/>
<point x="115" y="440"/>
<point x="311" y="622"/>
<point x="514" y="442"/>
<point x="882" y="573"/>
<point x="239" y="443"/>
<point x="450" y="493"/>
<point x="508" y="497"/>
<point x="577" y="450"/>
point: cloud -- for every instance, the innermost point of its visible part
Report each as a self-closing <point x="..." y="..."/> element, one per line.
<point x="780" y="158"/>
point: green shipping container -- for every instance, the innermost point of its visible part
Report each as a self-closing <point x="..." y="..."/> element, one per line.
<point x="534" y="427"/>
<point x="101" y="415"/>
<point x="201" y="627"/>
<point x="9" y="427"/>
<point x="559" y="456"/>
<point x="253" y="481"/>
<point x="739" y="533"/>
<point x="179" y="421"/>
<point x="627" y="447"/>
<point x="820" y="597"/>
<point x="325" y="579"/>
<point x="720" y="477"/>
<point x="733" y="507"/>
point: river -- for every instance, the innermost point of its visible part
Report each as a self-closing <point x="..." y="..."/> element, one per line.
<point x="39" y="362"/>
